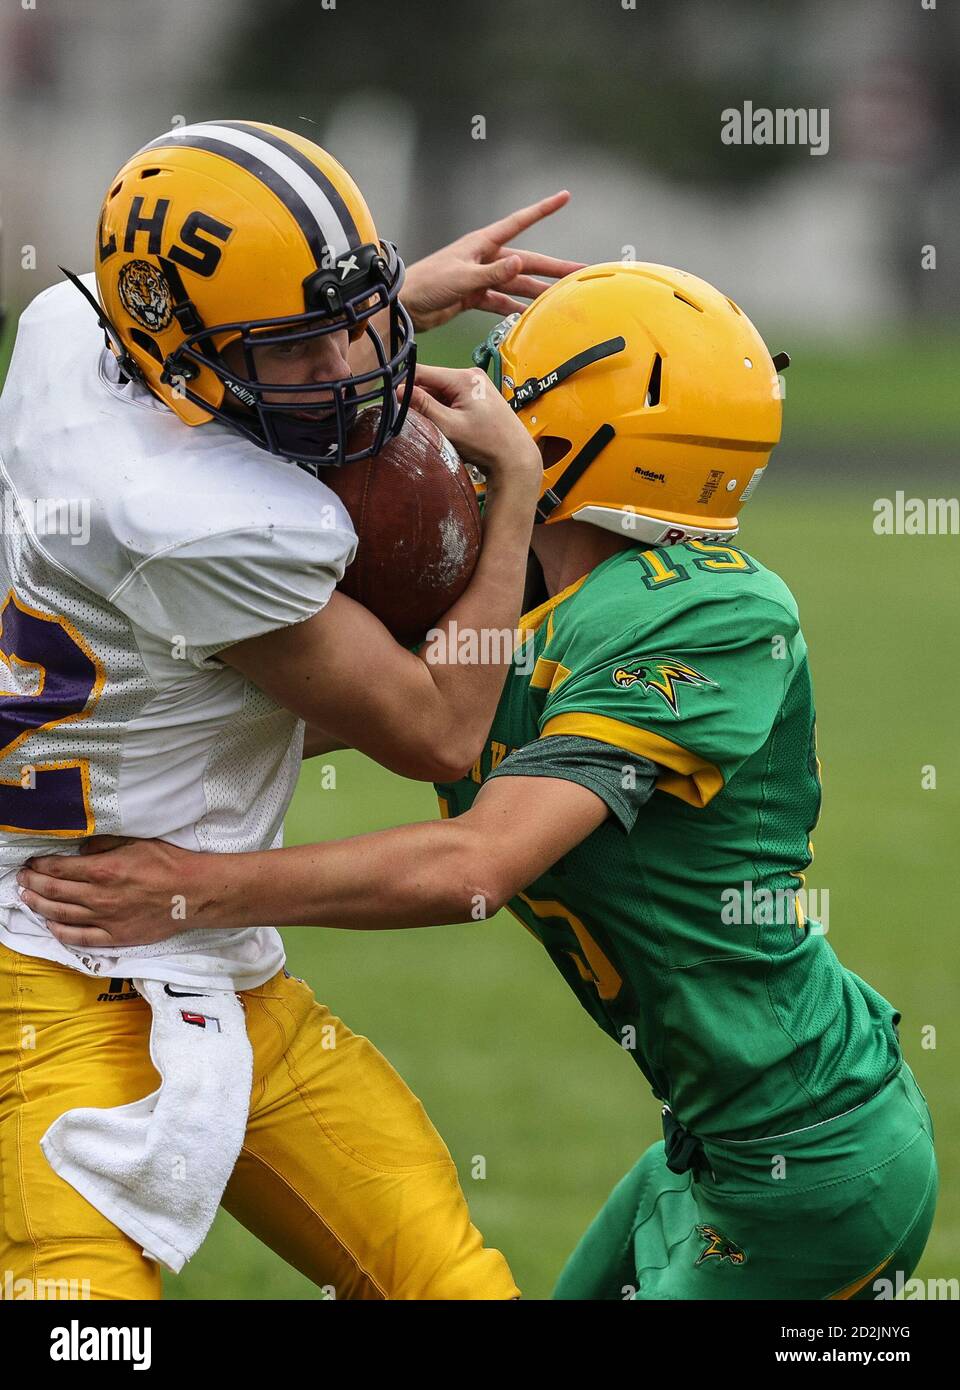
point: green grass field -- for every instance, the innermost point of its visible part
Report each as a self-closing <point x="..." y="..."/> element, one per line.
<point x="481" y="1026"/>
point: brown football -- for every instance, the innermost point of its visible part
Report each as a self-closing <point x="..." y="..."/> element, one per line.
<point x="414" y="509"/>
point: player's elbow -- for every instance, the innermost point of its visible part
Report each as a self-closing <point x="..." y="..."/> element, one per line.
<point x="490" y="898"/>
<point x="448" y="758"/>
<point x="472" y="895"/>
<point x="462" y="750"/>
<point x="428" y="765"/>
<point x="425" y="756"/>
<point x="489" y="891"/>
<point x="468" y="878"/>
<point x="451" y="767"/>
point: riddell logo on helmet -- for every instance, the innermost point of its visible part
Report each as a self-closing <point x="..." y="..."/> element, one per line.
<point x="675" y="534"/>
<point x="650" y="477"/>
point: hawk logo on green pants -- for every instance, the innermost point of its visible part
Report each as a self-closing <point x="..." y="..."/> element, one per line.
<point x="662" y="674"/>
<point x="719" y="1247"/>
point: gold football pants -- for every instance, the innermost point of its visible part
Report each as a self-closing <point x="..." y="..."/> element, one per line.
<point x="341" y="1172"/>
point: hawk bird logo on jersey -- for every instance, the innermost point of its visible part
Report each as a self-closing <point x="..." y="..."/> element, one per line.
<point x="718" y="1247"/>
<point x="662" y="674"/>
<point x="146" y="295"/>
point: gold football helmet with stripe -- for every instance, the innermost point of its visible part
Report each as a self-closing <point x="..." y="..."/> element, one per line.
<point x="234" y="232"/>
<point x="652" y="397"/>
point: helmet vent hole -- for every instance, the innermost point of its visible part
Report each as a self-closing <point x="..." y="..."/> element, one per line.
<point x="552" y="449"/>
<point x="144" y="341"/>
<point x="734" y="308"/>
<point x="684" y="300"/>
<point x="653" y="386"/>
<point x="149" y="173"/>
<point x="115" y="189"/>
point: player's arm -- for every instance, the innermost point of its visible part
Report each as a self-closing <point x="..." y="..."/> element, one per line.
<point x="538" y="805"/>
<point x="342" y="671"/>
<point x="317" y="741"/>
<point x="411" y="876"/>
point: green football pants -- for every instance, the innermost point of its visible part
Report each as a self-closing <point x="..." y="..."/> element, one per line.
<point x="820" y="1213"/>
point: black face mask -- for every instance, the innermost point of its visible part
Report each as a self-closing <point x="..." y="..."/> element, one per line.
<point x="303" y="439"/>
<point x="333" y="304"/>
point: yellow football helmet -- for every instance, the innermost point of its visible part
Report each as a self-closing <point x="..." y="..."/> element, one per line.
<point x="652" y="398"/>
<point x="238" y="232"/>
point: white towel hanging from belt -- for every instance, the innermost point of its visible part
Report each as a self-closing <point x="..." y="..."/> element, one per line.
<point x="157" y="1167"/>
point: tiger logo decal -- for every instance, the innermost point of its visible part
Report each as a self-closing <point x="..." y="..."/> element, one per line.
<point x="146" y="295"/>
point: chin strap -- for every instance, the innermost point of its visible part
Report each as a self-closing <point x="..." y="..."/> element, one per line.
<point x="184" y="309"/>
<point x="574" y="470"/>
<point x="128" y="365"/>
<point x="534" y="387"/>
<point x="487" y="355"/>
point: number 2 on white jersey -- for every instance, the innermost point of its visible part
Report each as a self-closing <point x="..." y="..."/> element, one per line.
<point x="48" y="798"/>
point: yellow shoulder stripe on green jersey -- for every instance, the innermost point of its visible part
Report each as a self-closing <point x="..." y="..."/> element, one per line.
<point x="689" y="777"/>
<point x="547" y="675"/>
<point x="530" y="622"/>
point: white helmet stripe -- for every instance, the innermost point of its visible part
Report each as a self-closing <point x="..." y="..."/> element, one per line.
<point x="258" y="151"/>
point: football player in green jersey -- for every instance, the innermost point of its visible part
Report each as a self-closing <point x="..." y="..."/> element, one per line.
<point x="643" y="804"/>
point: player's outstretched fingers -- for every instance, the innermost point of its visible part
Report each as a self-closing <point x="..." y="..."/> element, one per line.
<point x="502" y="304"/>
<point x="528" y="286"/>
<point x="535" y="263"/>
<point x="491" y="274"/>
<point x="522" y="218"/>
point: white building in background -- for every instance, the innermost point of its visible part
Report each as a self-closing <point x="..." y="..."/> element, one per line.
<point x="820" y="246"/>
<point x="83" y="83"/>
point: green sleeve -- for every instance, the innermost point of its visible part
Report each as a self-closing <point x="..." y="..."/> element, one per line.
<point x="621" y="779"/>
<point x="698" y="695"/>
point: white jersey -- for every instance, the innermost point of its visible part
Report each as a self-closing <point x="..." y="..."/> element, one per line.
<point x="133" y="549"/>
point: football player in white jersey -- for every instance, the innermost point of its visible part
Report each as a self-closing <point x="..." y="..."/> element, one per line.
<point x="160" y="658"/>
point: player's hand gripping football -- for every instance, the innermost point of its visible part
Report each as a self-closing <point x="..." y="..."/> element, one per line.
<point x="136" y="893"/>
<point x="468" y="408"/>
<point x="481" y="271"/>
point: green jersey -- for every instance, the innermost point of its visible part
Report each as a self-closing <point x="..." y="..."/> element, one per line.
<point x="682" y="931"/>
